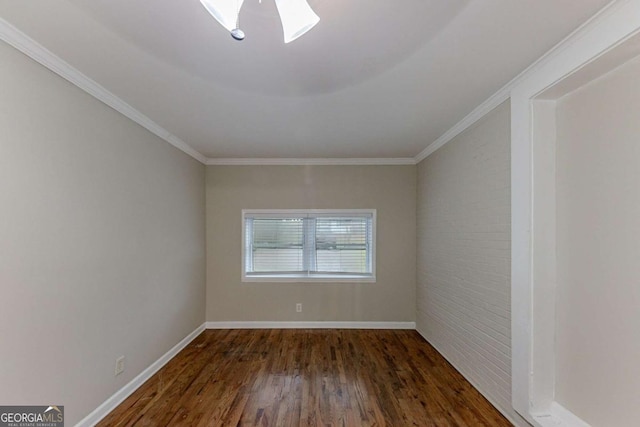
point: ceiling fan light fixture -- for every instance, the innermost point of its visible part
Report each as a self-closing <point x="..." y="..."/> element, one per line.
<point x="225" y="11"/>
<point x="297" y="18"/>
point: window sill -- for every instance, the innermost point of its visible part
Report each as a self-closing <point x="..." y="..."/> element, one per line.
<point x="319" y="278"/>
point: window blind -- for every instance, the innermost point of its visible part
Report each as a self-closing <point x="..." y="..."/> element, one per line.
<point x="277" y="245"/>
<point x="342" y="245"/>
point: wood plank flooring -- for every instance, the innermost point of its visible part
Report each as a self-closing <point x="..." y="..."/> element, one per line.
<point x="307" y="378"/>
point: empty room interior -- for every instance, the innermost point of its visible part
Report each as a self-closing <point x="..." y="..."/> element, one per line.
<point x="320" y="213"/>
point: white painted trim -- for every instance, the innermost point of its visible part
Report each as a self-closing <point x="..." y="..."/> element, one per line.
<point x="505" y="92"/>
<point x="566" y="417"/>
<point x="311" y="162"/>
<point x="34" y="50"/>
<point x="478" y="113"/>
<point x="315" y="278"/>
<point x="559" y="416"/>
<point x="320" y="212"/>
<point x="472" y="382"/>
<point x="118" y="397"/>
<point x="310" y="325"/>
<point x="530" y="395"/>
<point x="48" y="59"/>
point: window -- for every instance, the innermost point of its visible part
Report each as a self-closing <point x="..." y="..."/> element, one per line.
<point x="304" y="245"/>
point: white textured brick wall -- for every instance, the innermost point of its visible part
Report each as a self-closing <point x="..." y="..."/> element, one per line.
<point x="463" y="276"/>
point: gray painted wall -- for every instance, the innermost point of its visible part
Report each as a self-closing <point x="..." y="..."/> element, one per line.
<point x="102" y="229"/>
<point x="389" y="189"/>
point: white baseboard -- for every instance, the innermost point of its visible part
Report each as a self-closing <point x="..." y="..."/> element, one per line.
<point x="516" y="422"/>
<point x="118" y="397"/>
<point x="559" y="416"/>
<point x="311" y="325"/>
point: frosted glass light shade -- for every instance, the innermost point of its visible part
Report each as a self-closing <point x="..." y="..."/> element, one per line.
<point x="297" y="18"/>
<point x="225" y="11"/>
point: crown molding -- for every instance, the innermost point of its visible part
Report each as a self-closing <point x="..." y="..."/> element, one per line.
<point x="34" y="50"/>
<point x="310" y="161"/>
<point x="40" y="54"/>
<point x="25" y="44"/>
<point x="504" y="92"/>
<point x="478" y="113"/>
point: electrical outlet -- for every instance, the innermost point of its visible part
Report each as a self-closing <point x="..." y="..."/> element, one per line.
<point x="119" y="365"/>
<point x="299" y="307"/>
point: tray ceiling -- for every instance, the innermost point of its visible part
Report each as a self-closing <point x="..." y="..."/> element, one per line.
<point x="374" y="79"/>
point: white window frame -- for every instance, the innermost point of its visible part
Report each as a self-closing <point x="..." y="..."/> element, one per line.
<point x="333" y="278"/>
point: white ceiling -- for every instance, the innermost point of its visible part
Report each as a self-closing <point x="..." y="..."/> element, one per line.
<point x="374" y="79"/>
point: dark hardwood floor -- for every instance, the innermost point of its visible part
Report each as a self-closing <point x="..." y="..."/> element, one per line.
<point x="307" y="378"/>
